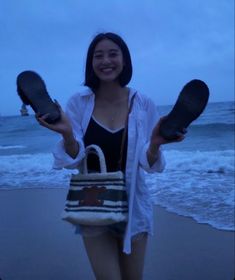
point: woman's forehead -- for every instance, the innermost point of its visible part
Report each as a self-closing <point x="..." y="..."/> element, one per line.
<point x="106" y="45"/>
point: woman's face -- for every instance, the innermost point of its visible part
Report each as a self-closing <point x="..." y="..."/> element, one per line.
<point x="107" y="61"/>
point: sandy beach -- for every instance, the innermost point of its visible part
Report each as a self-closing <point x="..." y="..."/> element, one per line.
<point x="36" y="245"/>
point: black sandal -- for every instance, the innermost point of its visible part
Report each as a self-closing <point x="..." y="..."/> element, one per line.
<point x="190" y="104"/>
<point x="32" y="91"/>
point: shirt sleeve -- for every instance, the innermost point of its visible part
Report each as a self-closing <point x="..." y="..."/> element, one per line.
<point x="152" y="118"/>
<point x="61" y="158"/>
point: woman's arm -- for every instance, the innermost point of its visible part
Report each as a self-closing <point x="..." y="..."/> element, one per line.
<point x="71" y="145"/>
<point x="151" y="156"/>
<point x="63" y="127"/>
<point x="156" y="141"/>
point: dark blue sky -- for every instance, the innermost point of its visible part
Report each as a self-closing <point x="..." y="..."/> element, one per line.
<point x="171" y="42"/>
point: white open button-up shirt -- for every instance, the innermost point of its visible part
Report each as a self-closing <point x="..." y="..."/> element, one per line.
<point x="142" y="119"/>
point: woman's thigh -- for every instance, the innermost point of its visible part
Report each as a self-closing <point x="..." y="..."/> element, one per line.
<point x="132" y="265"/>
<point x="102" y="251"/>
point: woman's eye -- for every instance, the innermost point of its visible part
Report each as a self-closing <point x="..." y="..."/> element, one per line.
<point x="113" y="54"/>
<point x="98" y="56"/>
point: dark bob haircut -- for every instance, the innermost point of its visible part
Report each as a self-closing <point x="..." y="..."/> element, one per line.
<point x="91" y="80"/>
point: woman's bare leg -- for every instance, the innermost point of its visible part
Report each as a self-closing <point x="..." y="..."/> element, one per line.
<point x="132" y="266"/>
<point x="102" y="251"/>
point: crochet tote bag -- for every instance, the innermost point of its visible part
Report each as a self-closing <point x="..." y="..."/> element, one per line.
<point x="96" y="198"/>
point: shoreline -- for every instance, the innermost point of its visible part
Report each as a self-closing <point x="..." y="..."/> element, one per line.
<point x="194" y="219"/>
<point x="36" y="244"/>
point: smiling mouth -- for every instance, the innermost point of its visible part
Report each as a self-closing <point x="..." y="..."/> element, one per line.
<point x="106" y="70"/>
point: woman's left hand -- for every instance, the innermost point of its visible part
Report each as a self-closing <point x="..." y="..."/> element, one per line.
<point x="157" y="140"/>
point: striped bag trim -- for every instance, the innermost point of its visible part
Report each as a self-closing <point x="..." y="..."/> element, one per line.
<point x="109" y="194"/>
<point x="108" y="176"/>
<point x="96" y="210"/>
<point x="111" y="187"/>
<point x="106" y="203"/>
<point x="72" y="207"/>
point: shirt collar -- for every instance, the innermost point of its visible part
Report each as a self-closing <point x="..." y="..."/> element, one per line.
<point x="87" y="91"/>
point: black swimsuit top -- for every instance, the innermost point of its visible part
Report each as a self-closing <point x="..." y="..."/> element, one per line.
<point x="110" y="144"/>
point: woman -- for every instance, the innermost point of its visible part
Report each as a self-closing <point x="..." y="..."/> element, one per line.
<point x="97" y="116"/>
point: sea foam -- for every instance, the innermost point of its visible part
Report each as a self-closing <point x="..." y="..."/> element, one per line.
<point x="8" y="147"/>
<point x="198" y="184"/>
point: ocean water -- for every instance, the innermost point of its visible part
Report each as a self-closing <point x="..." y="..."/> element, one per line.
<point x="198" y="180"/>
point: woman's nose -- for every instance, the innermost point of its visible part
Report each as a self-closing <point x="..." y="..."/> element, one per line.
<point x="106" y="60"/>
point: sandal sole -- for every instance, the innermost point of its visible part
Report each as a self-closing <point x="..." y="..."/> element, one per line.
<point x="32" y="91"/>
<point x="191" y="102"/>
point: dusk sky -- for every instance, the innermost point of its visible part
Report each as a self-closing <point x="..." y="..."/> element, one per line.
<point x="171" y="42"/>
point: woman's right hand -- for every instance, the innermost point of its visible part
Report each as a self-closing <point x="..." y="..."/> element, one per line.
<point x="63" y="126"/>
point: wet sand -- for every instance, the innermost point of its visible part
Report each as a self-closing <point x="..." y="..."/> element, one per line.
<point x="36" y="244"/>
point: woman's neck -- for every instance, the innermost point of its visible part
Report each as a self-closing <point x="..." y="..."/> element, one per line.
<point x="111" y="92"/>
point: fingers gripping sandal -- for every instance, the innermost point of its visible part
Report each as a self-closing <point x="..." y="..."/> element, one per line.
<point x="190" y="104"/>
<point x="32" y="91"/>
